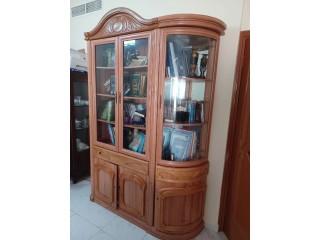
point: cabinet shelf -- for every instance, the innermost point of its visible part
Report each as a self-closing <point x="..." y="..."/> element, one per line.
<point x="187" y="79"/>
<point x="141" y="127"/>
<point x="106" y="95"/>
<point x="104" y="121"/>
<point x="107" y="68"/>
<point x="134" y="98"/>
<point x="135" y="67"/>
<point x="182" y="124"/>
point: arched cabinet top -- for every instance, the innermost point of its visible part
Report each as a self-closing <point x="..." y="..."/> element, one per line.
<point x="120" y="21"/>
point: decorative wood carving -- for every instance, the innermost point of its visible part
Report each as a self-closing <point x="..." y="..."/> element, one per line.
<point x="123" y="20"/>
<point x="120" y="21"/>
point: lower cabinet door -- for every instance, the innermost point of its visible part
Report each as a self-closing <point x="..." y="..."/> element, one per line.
<point x="179" y="209"/>
<point x="105" y="177"/>
<point x="133" y="195"/>
<point x="180" y="199"/>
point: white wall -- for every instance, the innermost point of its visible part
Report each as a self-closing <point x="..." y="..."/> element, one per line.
<point x="228" y="11"/>
<point x="245" y="21"/>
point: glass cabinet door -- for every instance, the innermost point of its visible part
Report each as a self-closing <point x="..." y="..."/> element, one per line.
<point x="187" y="95"/>
<point x="134" y="89"/>
<point x="81" y="113"/>
<point x="106" y="89"/>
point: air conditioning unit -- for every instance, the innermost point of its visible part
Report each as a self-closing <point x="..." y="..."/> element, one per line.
<point x="78" y="60"/>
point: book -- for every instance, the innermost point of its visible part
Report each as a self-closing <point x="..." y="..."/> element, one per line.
<point x="135" y="84"/>
<point x="142" y="143"/>
<point x="166" y="137"/>
<point x="141" y="113"/>
<point x="134" y="145"/>
<point x="110" y="85"/>
<point x="173" y="61"/>
<point x="143" y="87"/>
<point x="111" y="133"/>
<point x="107" y="110"/>
<point x="181" y="144"/>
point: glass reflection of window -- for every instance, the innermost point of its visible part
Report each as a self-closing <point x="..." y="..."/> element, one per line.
<point x="130" y="43"/>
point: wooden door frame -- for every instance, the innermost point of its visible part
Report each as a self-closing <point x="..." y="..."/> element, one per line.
<point x="244" y="35"/>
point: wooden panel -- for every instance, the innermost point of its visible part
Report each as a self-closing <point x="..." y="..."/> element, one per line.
<point x="105" y="182"/>
<point x="180" y="198"/>
<point x="182" y="175"/>
<point x="133" y="195"/>
<point x="121" y="159"/>
<point x="234" y="216"/>
<point x="180" y="209"/>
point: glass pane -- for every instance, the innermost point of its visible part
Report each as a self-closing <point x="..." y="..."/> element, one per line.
<point x="81" y="114"/>
<point x="187" y="92"/>
<point x="105" y="93"/>
<point x="106" y="120"/>
<point x="135" y="72"/>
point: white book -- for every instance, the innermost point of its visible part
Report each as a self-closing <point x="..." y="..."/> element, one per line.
<point x="174" y="60"/>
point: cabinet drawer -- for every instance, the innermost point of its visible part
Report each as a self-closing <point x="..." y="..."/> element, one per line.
<point x="121" y="159"/>
<point x="182" y="175"/>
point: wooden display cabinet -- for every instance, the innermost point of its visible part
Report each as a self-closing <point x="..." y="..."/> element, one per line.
<point x="79" y="126"/>
<point x="151" y="85"/>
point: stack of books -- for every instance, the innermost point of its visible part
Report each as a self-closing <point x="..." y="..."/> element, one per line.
<point x="138" y="143"/>
<point x="179" y="144"/>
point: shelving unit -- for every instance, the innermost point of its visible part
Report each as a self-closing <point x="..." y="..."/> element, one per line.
<point x="79" y="126"/>
<point x="152" y="81"/>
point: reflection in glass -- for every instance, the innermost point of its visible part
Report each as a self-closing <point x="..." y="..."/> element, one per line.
<point x="187" y="93"/>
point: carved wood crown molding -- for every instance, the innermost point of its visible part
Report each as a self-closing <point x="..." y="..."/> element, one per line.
<point x="123" y="20"/>
<point x="120" y="21"/>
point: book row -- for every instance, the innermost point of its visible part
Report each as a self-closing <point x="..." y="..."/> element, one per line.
<point x="190" y="111"/>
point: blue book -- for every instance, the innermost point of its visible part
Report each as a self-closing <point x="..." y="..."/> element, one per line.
<point x="166" y="137"/>
<point x="143" y="137"/>
<point x="181" y="144"/>
<point x="111" y="133"/>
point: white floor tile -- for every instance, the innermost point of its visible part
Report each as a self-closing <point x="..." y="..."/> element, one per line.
<point x="97" y="215"/>
<point x="101" y="236"/>
<point x="150" y="237"/>
<point x="80" y="229"/>
<point x="207" y="234"/>
<point x="71" y="213"/>
<point x="80" y="198"/>
<point x="121" y="229"/>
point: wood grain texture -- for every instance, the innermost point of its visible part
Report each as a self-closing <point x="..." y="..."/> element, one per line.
<point x="121" y="159"/>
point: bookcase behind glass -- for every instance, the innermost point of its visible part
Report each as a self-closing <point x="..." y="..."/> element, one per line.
<point x="187" y="95"/>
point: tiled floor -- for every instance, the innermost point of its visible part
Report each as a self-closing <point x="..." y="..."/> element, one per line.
<point x="90" y="221"/>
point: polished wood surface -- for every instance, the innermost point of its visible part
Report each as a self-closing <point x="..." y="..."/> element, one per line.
<point x="105" y="178"/>
<point x="165" y="198"/>
<point x="121" y="160"/>
<point x="234" y="218"/>
<point x="180" y="198"/>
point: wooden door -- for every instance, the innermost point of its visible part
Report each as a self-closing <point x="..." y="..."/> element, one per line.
<point x="105" y="182"/>
<point x="236" y="220"/>
<point x="180" y="199"/>
<point x="134" y="194"/>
